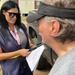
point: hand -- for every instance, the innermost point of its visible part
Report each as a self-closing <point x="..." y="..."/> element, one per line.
<point x="24" y="52"/>
<point x="31" y="45"/>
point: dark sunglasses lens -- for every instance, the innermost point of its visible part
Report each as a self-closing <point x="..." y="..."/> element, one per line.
<point x="14" y="14"/>
<point x="11" y="15"/>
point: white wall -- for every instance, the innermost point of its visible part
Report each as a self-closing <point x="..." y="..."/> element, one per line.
<point x="26" y="5"/>
<point x="1" y="2"/>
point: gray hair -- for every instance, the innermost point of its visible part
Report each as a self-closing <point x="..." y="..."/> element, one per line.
<point x="67" y="26"/>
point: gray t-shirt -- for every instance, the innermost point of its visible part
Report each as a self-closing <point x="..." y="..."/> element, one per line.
<point x="64" y="65"/>
<point x="23" y="38"/>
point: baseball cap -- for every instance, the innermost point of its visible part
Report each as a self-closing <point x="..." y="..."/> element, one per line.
<point x="52" y="11"/>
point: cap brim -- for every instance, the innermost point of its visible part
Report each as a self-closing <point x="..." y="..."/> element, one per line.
<point x="33" y="17"/>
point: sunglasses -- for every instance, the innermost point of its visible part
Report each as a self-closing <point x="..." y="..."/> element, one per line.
<point x="11" y="14"/>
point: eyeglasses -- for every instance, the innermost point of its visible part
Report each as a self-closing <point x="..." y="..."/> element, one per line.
<point x="11" y="14"/>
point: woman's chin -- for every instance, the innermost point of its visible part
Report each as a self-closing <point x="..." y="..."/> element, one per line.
<point x="12" y="23"/>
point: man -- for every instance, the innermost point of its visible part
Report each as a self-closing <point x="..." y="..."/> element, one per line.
<point x="56" y="24"/>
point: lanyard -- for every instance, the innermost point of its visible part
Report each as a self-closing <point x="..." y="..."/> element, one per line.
<point x="15" y="35"/>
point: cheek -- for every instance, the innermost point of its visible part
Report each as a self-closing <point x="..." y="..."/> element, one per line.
<point x="7" y="18"/>
<point x="43" y="31"/>
<point x="10" y="20"/>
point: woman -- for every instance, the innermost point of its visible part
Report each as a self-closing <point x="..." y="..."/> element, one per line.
<point x="14" y="42"/>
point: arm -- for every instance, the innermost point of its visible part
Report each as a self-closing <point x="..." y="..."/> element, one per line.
<point x="8" y="55"/>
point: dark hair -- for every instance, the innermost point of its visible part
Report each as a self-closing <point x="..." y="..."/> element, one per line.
<point x="7" y="6"/>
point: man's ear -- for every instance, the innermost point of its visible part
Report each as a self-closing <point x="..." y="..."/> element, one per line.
<point x="54" y="27"/>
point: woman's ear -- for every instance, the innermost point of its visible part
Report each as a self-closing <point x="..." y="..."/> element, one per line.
<point x="55" y="26"/>
<point x="3" y="12"/>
